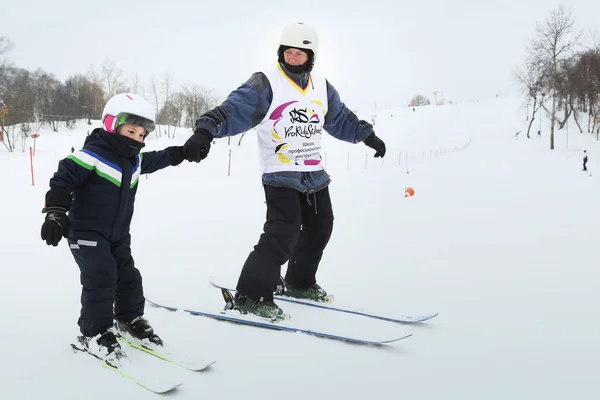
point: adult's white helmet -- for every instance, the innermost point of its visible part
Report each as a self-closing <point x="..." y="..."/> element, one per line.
<point x="128" y="108"/>
<point x="300" y="36"/>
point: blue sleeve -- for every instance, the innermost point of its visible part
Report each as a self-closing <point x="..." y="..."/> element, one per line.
<point x="342" y="123"/>
<point x="243" y="109"/>
<point x="153" y="161"/>
<point x="71" y="172"/>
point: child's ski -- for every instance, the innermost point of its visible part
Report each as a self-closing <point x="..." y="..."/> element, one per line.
<point x="152" y="382"/>
<point x="165" y="355"/>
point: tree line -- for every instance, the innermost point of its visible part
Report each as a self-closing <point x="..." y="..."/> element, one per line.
<point x="38" y="96"/>
<point x="561" y="75"/>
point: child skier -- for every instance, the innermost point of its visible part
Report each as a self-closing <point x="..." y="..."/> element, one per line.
<point x="97" y="187"/>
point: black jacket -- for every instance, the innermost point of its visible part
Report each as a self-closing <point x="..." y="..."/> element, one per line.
<point x="98" y="183"/>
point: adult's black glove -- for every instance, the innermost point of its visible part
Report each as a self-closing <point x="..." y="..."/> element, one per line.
<point x="376" y="144"/>
<point x="55" y="226"/>
<point x="196" y="148"/>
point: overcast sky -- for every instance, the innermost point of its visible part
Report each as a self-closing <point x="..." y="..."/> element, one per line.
<point x="373" y="51"/>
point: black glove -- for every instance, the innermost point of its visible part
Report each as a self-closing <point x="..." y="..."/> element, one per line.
<point x="376" y="144"/>
<point x="55" y="226"/>
<point x="196" y="148"/>
<point x="176" y="153"/>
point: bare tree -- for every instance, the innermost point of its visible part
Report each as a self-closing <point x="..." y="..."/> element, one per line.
<point x="596" y="41"/>
<point x="166" y="86"/>
<point x="154" y="89"/>
<point x="178" y="101"/>
<point x="3" y="133"/>
<point x="136" y="85"/>
<point x="418" y="101"/>
<point x="9" y="136"/>
<point x="112" y="77"/>
<point x="197" y="101"/>
<point x="95" y="77"/>
<point x="48" y="101"/>
<point x="554" y="45"/>
<point x="82" y="96"/>
<point x="5" y="45"/>
<point x="19" y="96"/>
<point x="532" y="83"/>
<point x="569" y="91"/>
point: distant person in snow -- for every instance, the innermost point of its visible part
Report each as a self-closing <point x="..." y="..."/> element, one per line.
<point x="585" y="160"/>
<point x="97" y="187"/>
<point x="72" y="149"/>
<point x="291" y="106"/>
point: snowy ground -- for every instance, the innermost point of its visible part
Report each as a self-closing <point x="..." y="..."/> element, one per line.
<point x="500" y="239"/>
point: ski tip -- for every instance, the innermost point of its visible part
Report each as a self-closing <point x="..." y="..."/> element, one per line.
<point x="220" y="287"/>
<point x="166" y="389"/>
<point x="384" y="342"/>
<point x="153" y="304"/>
<point x="203" y="367"/>
<point x="412" y="320"/>
<point x="431" y="316"/>
<point x="425" y="318"/>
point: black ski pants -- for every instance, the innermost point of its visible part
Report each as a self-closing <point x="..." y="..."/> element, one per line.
<point x="108" y="276"/>
<point x="297" y="230"/>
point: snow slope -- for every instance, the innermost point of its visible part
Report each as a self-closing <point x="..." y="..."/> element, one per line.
<point x="499" y="238"/>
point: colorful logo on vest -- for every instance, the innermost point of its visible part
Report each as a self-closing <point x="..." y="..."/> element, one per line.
<point x="294" y="130"/>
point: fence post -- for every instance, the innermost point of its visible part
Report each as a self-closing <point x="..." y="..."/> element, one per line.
<point x="229" y="164"/>
<point x="31" y="163"/>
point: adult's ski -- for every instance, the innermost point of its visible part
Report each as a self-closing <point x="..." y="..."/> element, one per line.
<point x="399" y="320"/>
<point x="228" y="315"/>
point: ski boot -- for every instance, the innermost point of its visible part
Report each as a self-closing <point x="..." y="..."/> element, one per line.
<point x="313" y="292"/>
<point x="104" y="346"/>
<point x="245" y="305"/>
<point x="140" y="329"/>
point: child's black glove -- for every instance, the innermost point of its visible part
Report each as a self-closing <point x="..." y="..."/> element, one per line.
<point x="176" y="153"/>
<point x="55" y="226"/>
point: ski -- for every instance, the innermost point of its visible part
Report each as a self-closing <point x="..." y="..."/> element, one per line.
<point x="152" y="383"/>
<point x="156" y="351"/>
<point x="263" y="323"/>
<point x="399" y="320"/>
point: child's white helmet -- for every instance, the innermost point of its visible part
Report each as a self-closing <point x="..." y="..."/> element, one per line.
<point x="128" y="108"/>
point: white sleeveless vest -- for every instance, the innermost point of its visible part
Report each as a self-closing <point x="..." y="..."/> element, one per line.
<point x="289" y="137"/>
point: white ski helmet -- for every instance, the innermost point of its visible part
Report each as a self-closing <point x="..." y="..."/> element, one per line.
<point x="128" y="108"/>
<point x="300" y="36"/>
